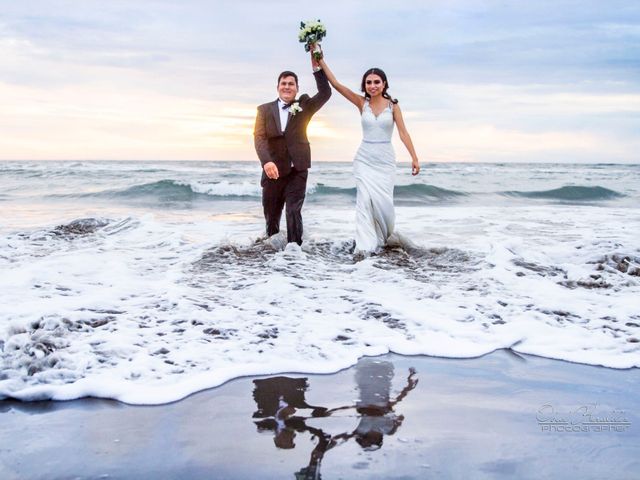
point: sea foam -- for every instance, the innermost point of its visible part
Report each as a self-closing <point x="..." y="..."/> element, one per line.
<point x="149" y="309"/>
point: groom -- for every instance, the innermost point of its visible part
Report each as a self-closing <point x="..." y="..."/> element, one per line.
<point x="280" y="138"/>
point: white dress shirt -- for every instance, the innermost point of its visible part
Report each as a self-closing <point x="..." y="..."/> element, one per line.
<point x="284" y="114"/>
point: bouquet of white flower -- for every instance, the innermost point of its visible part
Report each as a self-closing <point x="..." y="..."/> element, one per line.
<point x="311" y="33"/>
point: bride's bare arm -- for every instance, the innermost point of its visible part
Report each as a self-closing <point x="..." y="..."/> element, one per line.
<point x="406" y="139"/>
<point x="357" y="100"/>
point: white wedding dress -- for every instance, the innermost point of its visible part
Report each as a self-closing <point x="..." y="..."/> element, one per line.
<point x="374" y="168"/>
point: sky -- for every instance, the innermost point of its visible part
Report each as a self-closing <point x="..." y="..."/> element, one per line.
<point x="477" y="80"/>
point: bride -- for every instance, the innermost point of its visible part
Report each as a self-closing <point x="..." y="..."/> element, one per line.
<point x="374" y="165"/>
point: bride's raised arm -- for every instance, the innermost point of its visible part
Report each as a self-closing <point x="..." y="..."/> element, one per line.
<point x="357" y="100"/>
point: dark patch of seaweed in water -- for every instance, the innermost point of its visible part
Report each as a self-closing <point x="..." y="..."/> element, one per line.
<point x="334" y="253"/>
<point x="541" y="270"/>
<point x="220" y="257"/>
<point x="422" y="264"/>
<point x="373" y="311"/>
<point x="233" y="267"/>
<point x="628" y="264"/>
<point x="243" y="265"/>
<point x="614" y="271"/>
<point x="253" y="261"/>
<point x="82" y="226"/>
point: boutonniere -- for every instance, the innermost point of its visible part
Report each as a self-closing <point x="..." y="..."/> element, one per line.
<point x="295" y="108"/>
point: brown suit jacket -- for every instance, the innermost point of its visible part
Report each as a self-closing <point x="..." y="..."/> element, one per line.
<point x="291" y="145"/>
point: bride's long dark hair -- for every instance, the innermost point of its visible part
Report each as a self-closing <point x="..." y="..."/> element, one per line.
<point x="383" y="76"/>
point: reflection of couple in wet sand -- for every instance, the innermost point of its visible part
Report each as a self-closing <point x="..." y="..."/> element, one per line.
<point x="280" y="399"/>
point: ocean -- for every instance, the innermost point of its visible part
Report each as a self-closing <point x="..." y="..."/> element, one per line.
<point x="148" y="281"/>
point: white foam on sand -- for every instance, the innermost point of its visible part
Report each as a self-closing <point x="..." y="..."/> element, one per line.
<point x="148" y="310"/>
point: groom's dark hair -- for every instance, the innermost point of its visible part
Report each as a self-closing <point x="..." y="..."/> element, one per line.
<point x="287" y="73"/>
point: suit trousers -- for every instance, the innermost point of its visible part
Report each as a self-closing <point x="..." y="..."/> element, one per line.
<point x="286" y="191"/>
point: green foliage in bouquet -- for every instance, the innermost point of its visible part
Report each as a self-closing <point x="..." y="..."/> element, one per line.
<point x="311" y="33"/>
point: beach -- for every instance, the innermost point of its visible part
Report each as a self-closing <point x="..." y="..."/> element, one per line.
<point x="466" y="418"/>
<point x="457" y="301"/>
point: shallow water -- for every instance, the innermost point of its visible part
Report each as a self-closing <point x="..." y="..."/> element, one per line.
<point x="147" y="282"/>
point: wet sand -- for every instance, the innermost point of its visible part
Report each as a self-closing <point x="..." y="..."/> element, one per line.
<point x="499" y="416"/>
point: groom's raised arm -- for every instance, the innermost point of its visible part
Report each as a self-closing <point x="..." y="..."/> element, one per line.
<point x="324" y="91"/>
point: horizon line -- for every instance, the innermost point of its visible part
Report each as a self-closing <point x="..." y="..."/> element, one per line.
<point x="478" y="162"/>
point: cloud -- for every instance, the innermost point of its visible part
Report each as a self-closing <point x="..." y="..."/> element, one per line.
<point x="81" y="123"/>
<point x="164" y="79"/>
